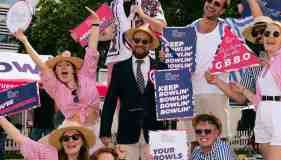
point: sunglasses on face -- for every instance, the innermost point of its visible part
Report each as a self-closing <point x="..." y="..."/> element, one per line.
<point x="274" y="34"/>
<point x="216" y="3"/>
<point x="75" y="98"/>
<point x="74" y="137"/>
<point x="259" y="30"/>
<point x="139" y="40"/>
<point x="201" y="131"/>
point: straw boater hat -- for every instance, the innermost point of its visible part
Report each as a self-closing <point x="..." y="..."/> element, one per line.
<point x="276" y="23"/>
<point x="89" y="136"/>
<point x="65" y="56"/>
<point x="247" y="32"/>
<point x="144" y="28"/>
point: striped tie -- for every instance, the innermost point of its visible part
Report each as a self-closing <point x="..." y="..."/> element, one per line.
<point x="139" y="76"/>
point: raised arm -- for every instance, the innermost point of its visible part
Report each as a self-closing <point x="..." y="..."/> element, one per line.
<point x="11" y="130"/>
<point x="255" y="8"/>
<point x="94" y="35"/>
<point x="33" y="54"/>
<point x="155" y="23"/>
<point x="91" y="57"/>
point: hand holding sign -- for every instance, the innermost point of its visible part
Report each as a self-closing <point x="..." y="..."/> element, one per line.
<point x="19" y="16"/>
<point x="20" y="35"/>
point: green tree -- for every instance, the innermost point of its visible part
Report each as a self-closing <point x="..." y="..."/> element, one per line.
<point x="49" y="32"/>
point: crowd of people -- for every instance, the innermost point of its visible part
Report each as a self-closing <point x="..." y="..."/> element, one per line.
<point x="86" y="132"/>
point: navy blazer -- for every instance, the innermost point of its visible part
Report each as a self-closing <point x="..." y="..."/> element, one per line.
<point x="137" y="111"/>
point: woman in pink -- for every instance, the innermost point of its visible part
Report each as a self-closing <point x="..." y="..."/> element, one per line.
<point x="70" y="141"/>
<point x="268" y="96"/>
<point x="71" y="82"/>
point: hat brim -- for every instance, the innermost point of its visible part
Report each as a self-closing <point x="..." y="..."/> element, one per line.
<point x="77" y="62"/>
<point x="130" y="33"/>
<point x="247" y="33"/>
<point x="89" y="136"/>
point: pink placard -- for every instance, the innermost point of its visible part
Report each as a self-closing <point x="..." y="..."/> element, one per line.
<point x="232" y="54"/>
<point x="81" y="32"/>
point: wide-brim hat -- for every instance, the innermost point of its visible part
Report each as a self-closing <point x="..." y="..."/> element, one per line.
<point x="276" y="23"/>
<point x="65" y="56"/>
<point x="247" y="32"/>
<point x="144" y="28"/>
<point x="88" y="134"/>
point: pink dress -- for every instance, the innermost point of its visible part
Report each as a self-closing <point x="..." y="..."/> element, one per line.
<point x="88" y="94"/>
<point x="32" y="150"/>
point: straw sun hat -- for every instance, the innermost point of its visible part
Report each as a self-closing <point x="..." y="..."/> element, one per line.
<point x="247" y="33"/>
<point x="144" y="28"/>
<point x="89" y="136"/>
<point x="65" y="56"/>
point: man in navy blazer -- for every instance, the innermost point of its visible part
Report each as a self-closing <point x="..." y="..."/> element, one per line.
<point x="137" y="105"/>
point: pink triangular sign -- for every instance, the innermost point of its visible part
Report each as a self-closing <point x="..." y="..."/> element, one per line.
<point x="232" y="54"/>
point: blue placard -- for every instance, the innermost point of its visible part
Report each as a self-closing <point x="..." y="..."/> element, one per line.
<point x="271" y="8"/>
<point x="173" y="94"/>
<point x="19" y="99"/>
<point x="182" y="47"/>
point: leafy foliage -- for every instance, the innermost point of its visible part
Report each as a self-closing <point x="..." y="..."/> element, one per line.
<point x="49" y="33"/>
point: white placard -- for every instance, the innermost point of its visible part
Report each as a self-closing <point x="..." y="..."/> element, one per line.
<point x="19" y="16"/>
<point x="14" y="66"/>
<point x="171" y="145"/>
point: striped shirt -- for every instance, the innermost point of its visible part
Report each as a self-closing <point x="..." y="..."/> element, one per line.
<point x="220" y="151"/>
<point x="250" y="76"/>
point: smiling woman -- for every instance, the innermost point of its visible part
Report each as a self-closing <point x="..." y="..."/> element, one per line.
<point x="71" y="141"/>
<point x="71" y="81"/>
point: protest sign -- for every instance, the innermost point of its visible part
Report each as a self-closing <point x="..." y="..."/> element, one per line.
<point x="7" y="84"/>
<point x="232" y="54"/>
<point x="19" y="16"/>
<point x="171" y="145"/>
<point x="14" y="66"/>
<point x="19" y="99"/>
<point x="81" y="32"/>
<point x="173" y="94"/>
<point x="180" y="41"/>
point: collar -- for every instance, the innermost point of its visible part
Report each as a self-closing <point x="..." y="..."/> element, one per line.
<point x="213" y="149"/>
<point x="145" y="59"/>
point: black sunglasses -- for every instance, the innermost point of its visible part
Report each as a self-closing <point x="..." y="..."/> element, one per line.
<point x="258" y="30"/>
<point x="274" y="34"/>
<point x="143" y="41"/>
<point x="75" y="98"/>
<point x="216" y="3"/>
<point x="74" y="137"/>
<point x="200" y="131"/>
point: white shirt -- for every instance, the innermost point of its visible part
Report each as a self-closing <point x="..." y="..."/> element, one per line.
<point x="206" y="46"/>
<point x="145" y="67"/>
<point x="118" y="51"/>
<point x="268" y="85"/>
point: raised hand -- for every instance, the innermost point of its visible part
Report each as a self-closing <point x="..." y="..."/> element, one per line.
<point x="20" y="35"/>
<point x="210" y="78"/>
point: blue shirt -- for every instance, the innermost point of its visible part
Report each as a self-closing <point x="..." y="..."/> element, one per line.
<point x="220" y="151"/>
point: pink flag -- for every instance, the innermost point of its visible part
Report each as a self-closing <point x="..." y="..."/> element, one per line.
<point x="232" y="54"/>
<point x="81" y="32"/>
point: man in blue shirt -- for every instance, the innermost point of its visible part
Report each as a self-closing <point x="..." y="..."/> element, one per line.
<point x="207" y="132"/>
